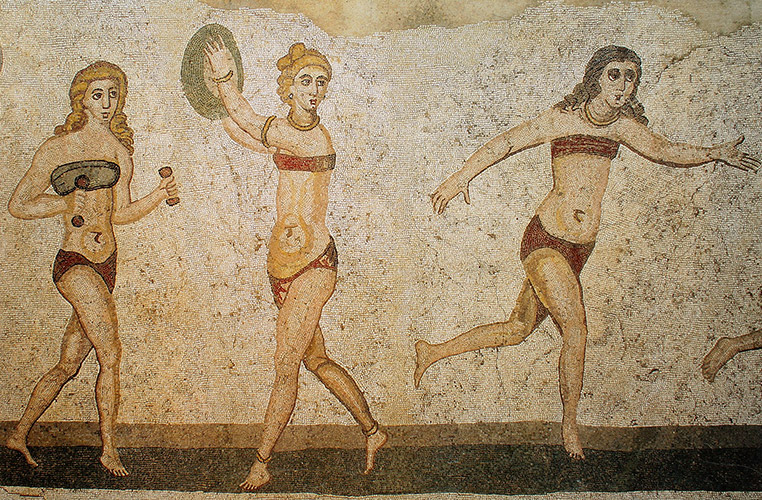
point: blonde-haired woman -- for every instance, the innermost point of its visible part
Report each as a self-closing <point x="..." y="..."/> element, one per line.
<point x="302" y="258"/>
<point x="88" y="162"/>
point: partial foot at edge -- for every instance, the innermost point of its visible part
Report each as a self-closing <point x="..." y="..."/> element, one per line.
<point x="422" y="361"/>
<point x="716" y="358"/>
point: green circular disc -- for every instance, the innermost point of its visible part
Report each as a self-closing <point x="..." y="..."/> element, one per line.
<point x="195" y="86"/>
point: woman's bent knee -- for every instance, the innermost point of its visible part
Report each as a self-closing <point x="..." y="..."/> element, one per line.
<point x="110" y="357"/>
<point x="65" y="371"/>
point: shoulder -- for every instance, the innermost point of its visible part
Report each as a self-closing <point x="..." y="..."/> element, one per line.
<point x="279" y="124"/>
<point x="553" y="123"/>
<point x="628" y="129"/>
<point x="49" y="150"/>
<point x="326" y="134"/>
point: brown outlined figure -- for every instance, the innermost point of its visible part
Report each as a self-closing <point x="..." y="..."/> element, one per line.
<point x="302" y="259"/>
<point x="726" y="348"/>
<point x="88" y="162"/>
<point x="584" y="131"/>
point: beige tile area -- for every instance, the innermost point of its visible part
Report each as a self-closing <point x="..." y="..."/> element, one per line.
<point x="676" y="266"/>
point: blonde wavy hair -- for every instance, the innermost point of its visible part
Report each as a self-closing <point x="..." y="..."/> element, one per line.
<point x="100" y="70"/>
<point x="297" y="58"/>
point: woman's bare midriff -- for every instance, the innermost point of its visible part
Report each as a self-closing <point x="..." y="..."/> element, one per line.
<point x="95" y="238"/>
<point x="572" y="209"/>
<point x="300" y="234"/>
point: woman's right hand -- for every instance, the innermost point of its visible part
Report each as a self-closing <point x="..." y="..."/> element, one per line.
<point x="448" y="190"/>
<point x="219" y="57"/>
<point x="168" y="186"/>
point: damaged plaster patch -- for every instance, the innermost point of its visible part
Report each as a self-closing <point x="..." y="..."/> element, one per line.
<point x="362" y="18"/>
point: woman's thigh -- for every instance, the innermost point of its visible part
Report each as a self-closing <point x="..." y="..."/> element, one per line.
<point x="94" y="306"/>
<point x="300" y="315"/>
<point x="556" y="286"/>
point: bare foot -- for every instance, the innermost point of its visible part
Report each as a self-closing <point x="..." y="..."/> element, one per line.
<point x="18" y="443"/>
<point x="572" y="444"/>
<point x="720" y="354"/>
<point x="113" y="464"/>
<point x="258" y="477"/>
<point x="372" y="444"/>
<point x="422" y="360"/>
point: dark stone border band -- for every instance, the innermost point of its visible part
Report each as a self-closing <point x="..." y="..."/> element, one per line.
<point x="298" y="437"/>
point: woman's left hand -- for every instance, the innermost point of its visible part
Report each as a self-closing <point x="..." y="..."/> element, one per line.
<point x="169" y="187"/>
<point x="730" y="154"/>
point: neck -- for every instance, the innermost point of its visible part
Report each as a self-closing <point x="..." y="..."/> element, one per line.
<point x="96" y="126"/>
<point x="302" y="116"/>
<point x="302" y="119"/>
<point x="600" y="113"/>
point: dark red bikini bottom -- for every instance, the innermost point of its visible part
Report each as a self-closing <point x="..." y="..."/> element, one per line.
<point x="65" y="260"/>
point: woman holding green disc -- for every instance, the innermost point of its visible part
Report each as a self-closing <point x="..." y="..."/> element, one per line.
<point x="302" y="259"/>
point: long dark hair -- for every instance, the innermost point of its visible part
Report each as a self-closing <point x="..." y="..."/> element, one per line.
<point x="589" y="87"/>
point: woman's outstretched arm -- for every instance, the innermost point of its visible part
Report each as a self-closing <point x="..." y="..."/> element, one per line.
<point x="524" y="136"/>
<point x="243" y="138"/>
<point x="659" y="149"/>
<point x="239" y="109"/>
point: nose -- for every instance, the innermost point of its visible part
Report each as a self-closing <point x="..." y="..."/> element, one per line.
<point x="106" y="102"/>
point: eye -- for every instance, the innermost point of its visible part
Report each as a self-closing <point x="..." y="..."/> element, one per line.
<point x="112" y="94"/>
<point x="97" y="95"/>
<point x="629" y="75"/>
<point x="306" y="81"/>
<point x="321" y="83"/>
<point x="614" y="74"/>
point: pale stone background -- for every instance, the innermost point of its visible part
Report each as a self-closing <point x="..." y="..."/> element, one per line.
<point x="677" y="262"/>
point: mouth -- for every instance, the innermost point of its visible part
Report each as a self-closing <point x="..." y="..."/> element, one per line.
<point x="313" y="102"/>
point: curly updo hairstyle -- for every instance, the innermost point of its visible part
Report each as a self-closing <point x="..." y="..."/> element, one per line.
<point x="297" y="58"/>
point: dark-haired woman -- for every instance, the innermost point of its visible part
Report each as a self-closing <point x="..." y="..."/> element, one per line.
<point x="584" y="131"/>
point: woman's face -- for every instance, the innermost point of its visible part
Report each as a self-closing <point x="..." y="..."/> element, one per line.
<point x="617" y="83"/>
<point x="309" y="87"/>
<point x="100" y="100"/>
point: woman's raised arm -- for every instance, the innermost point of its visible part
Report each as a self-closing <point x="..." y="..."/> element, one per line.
<point x="243" y="138"/>
<point x="239" y="109"/>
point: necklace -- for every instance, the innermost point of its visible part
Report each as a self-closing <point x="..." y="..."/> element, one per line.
<point x="303" y="128"/>
<point x="600" y="123"/>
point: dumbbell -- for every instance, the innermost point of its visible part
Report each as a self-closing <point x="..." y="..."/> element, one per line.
<point x="165" y="172"/>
